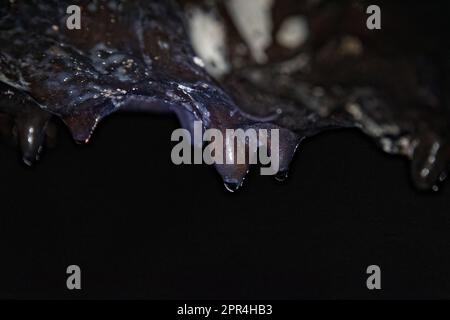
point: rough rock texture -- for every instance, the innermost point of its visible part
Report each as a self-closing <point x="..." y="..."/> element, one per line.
<point x="299" y="66"/>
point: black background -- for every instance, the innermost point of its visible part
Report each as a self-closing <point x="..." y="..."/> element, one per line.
<point x="141" y="227"/>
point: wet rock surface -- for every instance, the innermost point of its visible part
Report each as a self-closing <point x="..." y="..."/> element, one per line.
<point x="300" y="66"/>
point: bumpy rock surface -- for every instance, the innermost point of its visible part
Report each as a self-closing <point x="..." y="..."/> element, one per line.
<point x="299" y="66"/>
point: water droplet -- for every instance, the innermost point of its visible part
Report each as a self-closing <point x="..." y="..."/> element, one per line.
<point x="282" y="176"/>
<point x="232" y="186"/>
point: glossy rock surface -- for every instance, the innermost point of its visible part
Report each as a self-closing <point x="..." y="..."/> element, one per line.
<point x="299" y="66"/>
